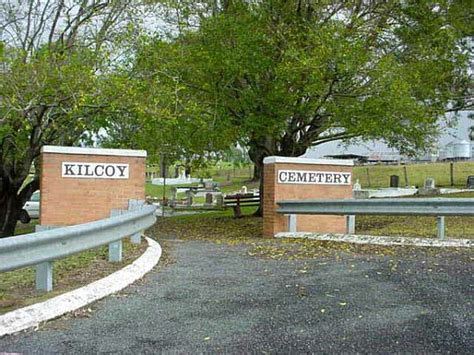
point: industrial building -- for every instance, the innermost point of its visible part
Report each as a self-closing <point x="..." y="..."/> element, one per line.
<point x="454" y="144"/>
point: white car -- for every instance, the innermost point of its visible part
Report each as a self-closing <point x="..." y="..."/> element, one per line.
<point x="31" y="208"/>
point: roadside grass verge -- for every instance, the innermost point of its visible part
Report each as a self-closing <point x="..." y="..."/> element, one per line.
<point x="414" y="226"/>
<point x="418" y="226"/>
<point x="17" y="288"/>
<point x="222" y="228"/>
<point x="26" y="228"/>
<point x="212" y="226"/>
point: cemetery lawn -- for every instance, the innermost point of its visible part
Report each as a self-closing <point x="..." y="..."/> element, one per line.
<point x="414" y="226"/>
<point x="227" y="187"/>
<point x="17" y="288"/>
<point x="417" y="226"/>
<point x="379" y="175"/>
<point x="221" y="228"/>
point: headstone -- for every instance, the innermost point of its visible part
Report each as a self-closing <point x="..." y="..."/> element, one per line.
<point x="356" y="186"/>
<point x="429" y="183"/>
<point x="243" y="189"/>
<point x="394" y="180"/>
<point x="189" y="198"/>
<point x="470" y="182"/>
<point x="429" y="188"/>
<point x="209" y="199"/>
<point x="174" y="193"/>
<point x="174" y="197"/>
<point x="219" y="200"/>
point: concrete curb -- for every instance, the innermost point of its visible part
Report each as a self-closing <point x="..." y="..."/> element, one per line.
<point x="380" y="240"/>
<point x="33" y="315"/>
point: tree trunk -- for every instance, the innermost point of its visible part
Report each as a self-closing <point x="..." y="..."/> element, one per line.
<point x="256" y="173"/>
<point x="163" y="168"/>
<point x="264" y="148"/>
<point x="10" y="207"/>
<point x="259" y="168"/>
<point x="11" y="204"/>
<point x="187" y="167"/>
<point x="256" y="156"/>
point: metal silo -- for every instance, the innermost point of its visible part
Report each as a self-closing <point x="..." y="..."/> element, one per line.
<point x="449" y="151"/>
<point x="462" y="150"/>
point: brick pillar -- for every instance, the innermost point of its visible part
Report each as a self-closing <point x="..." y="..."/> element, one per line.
<point x="304" y="179"/>
<point x="80" y="185"/>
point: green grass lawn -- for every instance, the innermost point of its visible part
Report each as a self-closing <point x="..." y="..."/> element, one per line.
<point x="225" y="186"/>
<point x="221" y="228"/>
<point x="26" y="228"/>
<point x="414" y="226"/>
<point x="17" y="288"/>
<point x="157" y="190"/>
<point x="417" y="173"/>
<point x="417" y="226"/>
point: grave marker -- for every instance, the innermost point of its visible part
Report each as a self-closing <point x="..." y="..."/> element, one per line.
<point x="470" y="182"/>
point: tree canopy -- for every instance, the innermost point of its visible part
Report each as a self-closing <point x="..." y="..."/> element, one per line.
<point x="275" y="77"/>
<point x="289" y="75"/>
<point x="53" y="59"/>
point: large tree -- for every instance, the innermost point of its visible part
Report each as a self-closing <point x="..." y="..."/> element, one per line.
<point x="53" y="69"/>
<point x="162" y="115"/>
<point x="292" y="74"/>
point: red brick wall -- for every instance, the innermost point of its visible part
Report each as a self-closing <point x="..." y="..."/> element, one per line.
<point x="274" y="222"/>
<point x="68" y="201"/>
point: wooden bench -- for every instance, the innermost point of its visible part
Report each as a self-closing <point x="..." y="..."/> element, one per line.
<point x="241" y="200"/>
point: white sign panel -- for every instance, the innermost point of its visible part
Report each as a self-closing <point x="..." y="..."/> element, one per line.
<point x="83" y="170"/>
<point x="313" y="177"/>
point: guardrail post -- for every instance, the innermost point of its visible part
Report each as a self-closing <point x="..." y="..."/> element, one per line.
<point x="292" y="223"/>
<point x="115" y="248"/>
<point x="134" y="205"/>
<point x="350" y="224"/>
<point x="44" y="276"/>
<point x="441" y="226"/>
<point x="44" y="271"/>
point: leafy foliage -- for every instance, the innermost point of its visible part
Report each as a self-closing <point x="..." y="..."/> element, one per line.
<point x="161" y="116"/>
<point x="54" y="57"/>
<point x="288" y="75"/>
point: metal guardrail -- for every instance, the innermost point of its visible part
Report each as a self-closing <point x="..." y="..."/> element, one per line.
<point x="439" y="207"/>
<point x="41" y="248"/>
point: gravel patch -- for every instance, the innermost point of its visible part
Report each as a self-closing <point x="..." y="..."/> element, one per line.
<point x="217" y="298"/>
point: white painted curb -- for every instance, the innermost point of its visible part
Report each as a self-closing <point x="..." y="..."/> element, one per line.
<point x="33" y="315"/>
<point x="380" y="240"/>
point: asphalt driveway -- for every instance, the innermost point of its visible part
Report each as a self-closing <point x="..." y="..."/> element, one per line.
<point x="217" y="298"/>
